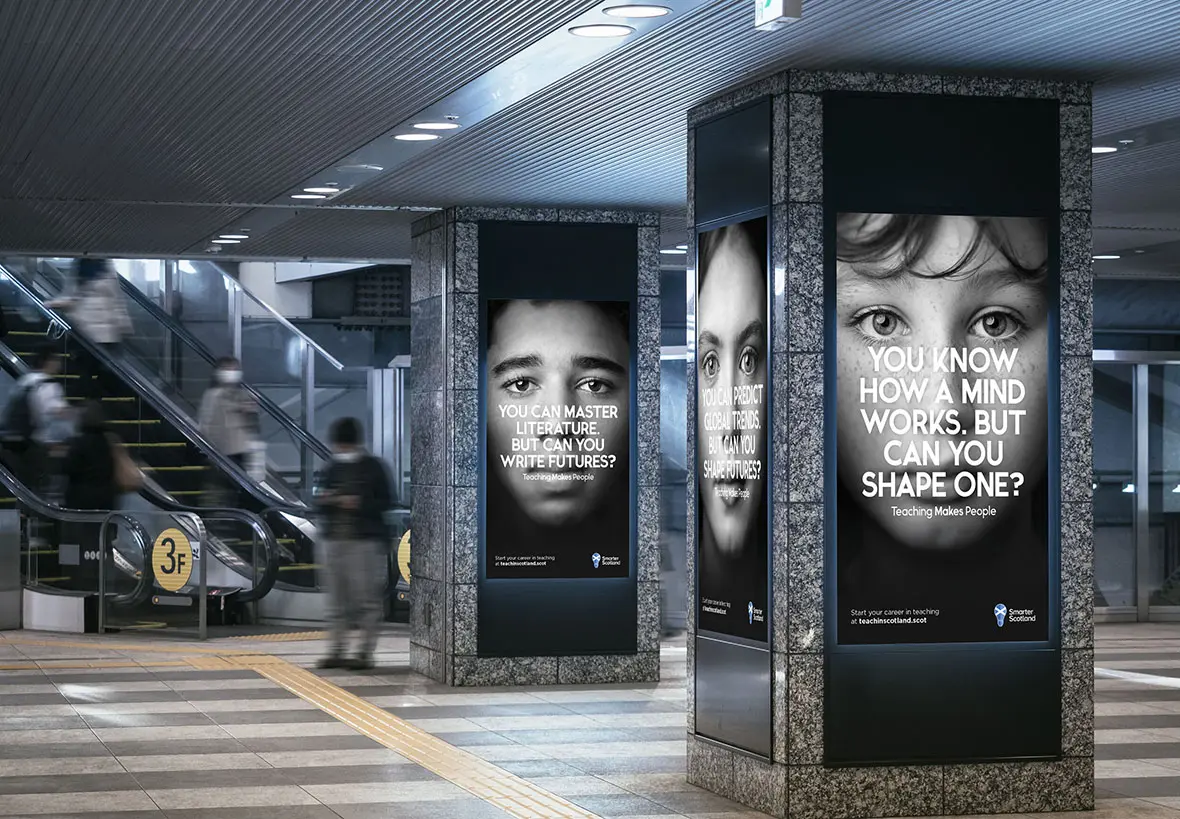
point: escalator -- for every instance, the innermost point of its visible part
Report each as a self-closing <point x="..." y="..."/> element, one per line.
<point x="177" y="462"/>
<point x="63" y="566"/>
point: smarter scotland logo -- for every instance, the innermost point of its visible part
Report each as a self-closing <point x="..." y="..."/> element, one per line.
<point x="596" y="558"/>
<point x="750" y="611"/>
<point x="1001" y="612"/>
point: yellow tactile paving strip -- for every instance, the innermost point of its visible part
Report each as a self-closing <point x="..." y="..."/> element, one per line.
<point x="139" y="648"/>
<point x="289" y="637"/>
<point x="510" y="793"/>
<point x="513" y="795"/>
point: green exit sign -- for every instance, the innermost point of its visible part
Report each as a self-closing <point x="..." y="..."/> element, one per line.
<point x="770" y="15"/>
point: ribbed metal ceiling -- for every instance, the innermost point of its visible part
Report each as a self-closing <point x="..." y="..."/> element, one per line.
<point x="615" y="132"/>
<point x="226" y="100"/>
<point x="68" y="228"/>
<point x="339" y="234"/>
<point x="217" y="102"/>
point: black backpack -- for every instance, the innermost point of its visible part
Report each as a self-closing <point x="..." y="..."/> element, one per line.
<point x="17" y="424"/>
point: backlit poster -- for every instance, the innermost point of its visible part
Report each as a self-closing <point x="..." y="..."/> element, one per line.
<point x="942" y="351"/>
<point x="732" y="367"/>
<point x="558" y="439"/>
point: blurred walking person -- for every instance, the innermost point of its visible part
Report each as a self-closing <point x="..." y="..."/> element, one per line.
<point x="91" y="483"/>
<point x="354" y="494"/>
<point x="228" y="418"/>
<point x="95" y="306"/>
<point x="33" y="421"/>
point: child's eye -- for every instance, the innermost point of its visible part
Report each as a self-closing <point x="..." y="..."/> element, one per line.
<point x="879" y="323"/>
<point x="996" y="326"/>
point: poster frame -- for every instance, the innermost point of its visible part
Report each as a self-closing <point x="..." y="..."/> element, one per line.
<point x="1053" y="447"/>
<point x="774" y="290"/>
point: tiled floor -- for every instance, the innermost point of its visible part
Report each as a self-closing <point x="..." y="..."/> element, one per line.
<point x="134" y="727"/>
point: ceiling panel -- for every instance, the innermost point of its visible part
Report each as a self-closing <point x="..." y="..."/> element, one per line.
<point x="235" y="101"/>
<point x="227" y="100"/>
<point x="75" y="228"/>
<point x="613" y="134"/>
<point x="337" y="234"/>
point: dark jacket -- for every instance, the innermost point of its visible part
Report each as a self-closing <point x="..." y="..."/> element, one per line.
<point x="366" y="478"/>
<point x="90" y="472"/>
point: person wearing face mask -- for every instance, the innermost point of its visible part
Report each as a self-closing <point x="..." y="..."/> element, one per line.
<point x="229" y="420"/>
<point x="353" y="496"/>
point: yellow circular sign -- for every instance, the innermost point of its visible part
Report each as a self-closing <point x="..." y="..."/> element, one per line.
<point x="403" y="556"/>
<point x="172" y="559"/>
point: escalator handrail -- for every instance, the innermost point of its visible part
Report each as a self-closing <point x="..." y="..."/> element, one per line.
<point x="49" y="510"/>
<point x="270" y="574"/>
<point x="46" y="509"/>
<point x="276" y="315"/>
<point x="268" y="405"/>
<point x="163" y="405"/>
<point x="184" y="334"/>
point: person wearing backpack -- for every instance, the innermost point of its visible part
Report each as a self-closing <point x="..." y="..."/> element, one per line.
<point x="36" y="410"/>
<point x="354" y="495"/>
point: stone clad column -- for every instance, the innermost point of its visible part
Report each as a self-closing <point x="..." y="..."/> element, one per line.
<point x="451" y="289"/>
<point x="797" y="778"/>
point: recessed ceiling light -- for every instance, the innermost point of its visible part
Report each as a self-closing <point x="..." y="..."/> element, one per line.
<point x="673" y="251"/>
<point x="416" y="137"/>
<point x="364" y="166"/>
<point x="682" y="247"/>
<point x="234" y="236"/>
<point x="602" y="30"/>
<point x="436" y="126"/>
<point x="1105" y="256"/>
<point x="1126" y="142"/>
<point x="324" y="189"/>
<point x="637" y="11"/>
<point x="225" y="241"/>
<point x="308" y="196"/>
<point x="1140" y="250"/>
<point x="1103" y="149"/>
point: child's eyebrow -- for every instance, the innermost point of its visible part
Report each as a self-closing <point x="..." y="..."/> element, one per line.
<point x="1010" y="276"/>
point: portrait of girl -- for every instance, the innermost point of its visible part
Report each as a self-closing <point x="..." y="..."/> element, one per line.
<point x="732" y="366"/>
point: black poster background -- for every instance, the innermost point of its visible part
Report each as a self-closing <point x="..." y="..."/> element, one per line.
<point x="732" y="429"/>
<point x="558" y="439"/>
<point x="948" y="563"/>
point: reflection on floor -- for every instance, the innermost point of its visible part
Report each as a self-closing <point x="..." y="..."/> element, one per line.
<point x="133" y="727"/>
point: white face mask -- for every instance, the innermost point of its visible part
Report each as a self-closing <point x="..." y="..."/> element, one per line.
<point x="229" y="376"/>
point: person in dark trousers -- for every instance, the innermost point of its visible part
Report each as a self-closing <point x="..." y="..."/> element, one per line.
<point x="354" y="494"/>
<point x="90" y="484"/>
